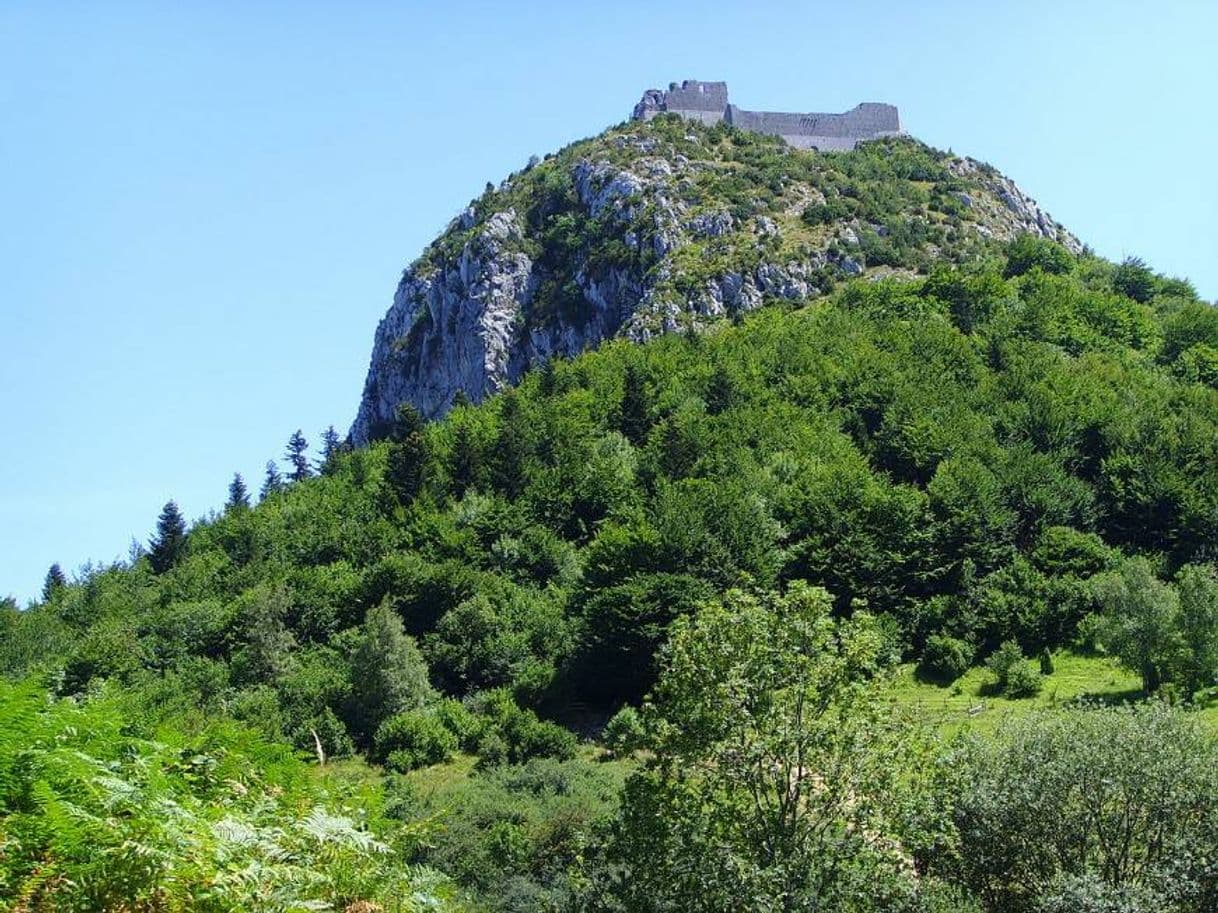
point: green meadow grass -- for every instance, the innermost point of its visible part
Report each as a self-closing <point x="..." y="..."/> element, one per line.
<point x="968" y="703"/>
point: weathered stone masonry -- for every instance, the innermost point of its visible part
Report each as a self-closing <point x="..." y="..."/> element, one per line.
<point x="708" y="102"/>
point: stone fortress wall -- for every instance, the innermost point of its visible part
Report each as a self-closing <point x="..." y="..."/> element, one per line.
<point x="708" y="102"/>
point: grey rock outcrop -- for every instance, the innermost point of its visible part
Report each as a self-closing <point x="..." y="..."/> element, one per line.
<point x="646" y="253"/>
<point x="1018" y="212"/>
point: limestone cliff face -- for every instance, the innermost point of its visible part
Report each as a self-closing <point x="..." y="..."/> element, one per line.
<point x="651" y="228"/>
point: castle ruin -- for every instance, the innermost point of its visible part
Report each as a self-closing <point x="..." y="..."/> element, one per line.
<point x="707" y="102"/>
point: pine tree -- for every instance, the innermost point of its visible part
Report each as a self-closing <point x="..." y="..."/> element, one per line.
<point x="388" y="674"/>
<point x="512" y="446"/>
<point x="465" y="461"/>
<point x="548" y="382"/>
<point x="238" y="495"/>
<point x="297" y="458"/>
<point x="169" y="543"/>
<point x="678" y="450"/>
<point x="331" y="446"/>
<point x="1046" y="661"/>
<point x="272" y="482"/>
<point x="634" y="421"/>
<point x="55" y="582"/>
<point x="720" y="392"/>
<point x="407" y="460"/>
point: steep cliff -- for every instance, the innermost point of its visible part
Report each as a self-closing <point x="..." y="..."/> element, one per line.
<point x="659" y="226"/>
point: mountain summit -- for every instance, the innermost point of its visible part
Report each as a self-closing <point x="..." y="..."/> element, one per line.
<point x="665" y="223"/>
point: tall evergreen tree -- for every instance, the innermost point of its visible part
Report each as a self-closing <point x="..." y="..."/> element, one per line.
<point x="548" y="382"/>
<point x="407" y="459"/>
<point x="721" y="391"/>
<point x="331" y="446"/>
<point x="678" y="450"/>
<point x="512" y="446"/>
<point x="634" y="420"/>
<point x="297" y="457"/>
<point x="169" y="542"/>
<point x="238" y="495"/>
<point x="272" y="481"/>
<point x="388" y="674"/>
<point x="465" y="461"/>
<point x="55" y="582"/>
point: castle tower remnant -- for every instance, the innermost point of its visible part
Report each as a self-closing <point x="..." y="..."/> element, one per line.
<point x="707" y="102"/>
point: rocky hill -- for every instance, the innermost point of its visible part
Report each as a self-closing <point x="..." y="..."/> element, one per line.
<point x="658" y="226"/>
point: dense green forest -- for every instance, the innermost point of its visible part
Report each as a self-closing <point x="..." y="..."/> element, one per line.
<point x="623" y="638"/>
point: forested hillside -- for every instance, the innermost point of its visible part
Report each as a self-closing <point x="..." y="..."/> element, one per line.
<point x="622" y="637"/>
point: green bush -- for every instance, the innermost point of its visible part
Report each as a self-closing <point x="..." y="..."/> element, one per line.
<point x="1013" y="675"/>
<point x="1091" y="633"/>
<point x="1022" y="681"/>
<point x="945" y="658"/>
<point x="416" y="738"/>
<point x="1134" y="279"/>
<point x="466" y="726"/>
<point x="623" y="733"/>
<point x="516" y="734"/>
<point x="1046" y="662"/>
<point x="1028" y="252"/>
<point x="97" y="816"/>
<point x="1035" y="806"/>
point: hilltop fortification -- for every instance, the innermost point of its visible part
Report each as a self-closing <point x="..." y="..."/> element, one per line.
<point x="708" y="103"/>
<point x="655" y="227"/>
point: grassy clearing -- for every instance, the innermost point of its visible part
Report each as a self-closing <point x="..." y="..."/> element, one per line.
<point x="968" y="703"/>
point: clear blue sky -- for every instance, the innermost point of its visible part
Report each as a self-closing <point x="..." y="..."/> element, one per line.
<point x="204" y="207"/>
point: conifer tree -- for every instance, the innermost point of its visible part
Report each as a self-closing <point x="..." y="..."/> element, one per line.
<point x="272" y="482"/>
<point x="465" y="461"/>
<point x="238" y="495"/>
<point x="331" y="446"/>
<point x="721" y="392"/>
<point x="678" y="451"/>
<point x="460" y="398"/>
<point x="169" y="542"/>
<point x="55" y="582"/>
<point x="407" y="460"/>
<point x="512" y="447"/>
<point x="635" y="407"/>
<point x="549" y="378"/>
<point x="388" y="673"/>
<point x="297" y="458"/>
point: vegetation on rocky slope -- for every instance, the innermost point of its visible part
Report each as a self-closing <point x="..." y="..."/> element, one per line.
<point x="975" y="455"/>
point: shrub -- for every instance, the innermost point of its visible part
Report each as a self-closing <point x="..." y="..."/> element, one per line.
<point x="624" y="732"/>
<point x="530" y="737"/>
<point x="1046" y="662"/>
<point x="463" y="724"/>
<point x="1028" y="252"/>
<point x="1091" y="632"/>
<point x="516" y="734"/>
<point x="1012" y="674"/>
<point x="413" y="739"/>
<point x="1022" y="681"/>
<point x="945" y="658"/>
<point x="1035" y="804"/>
<point x="1134" y="279"/>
